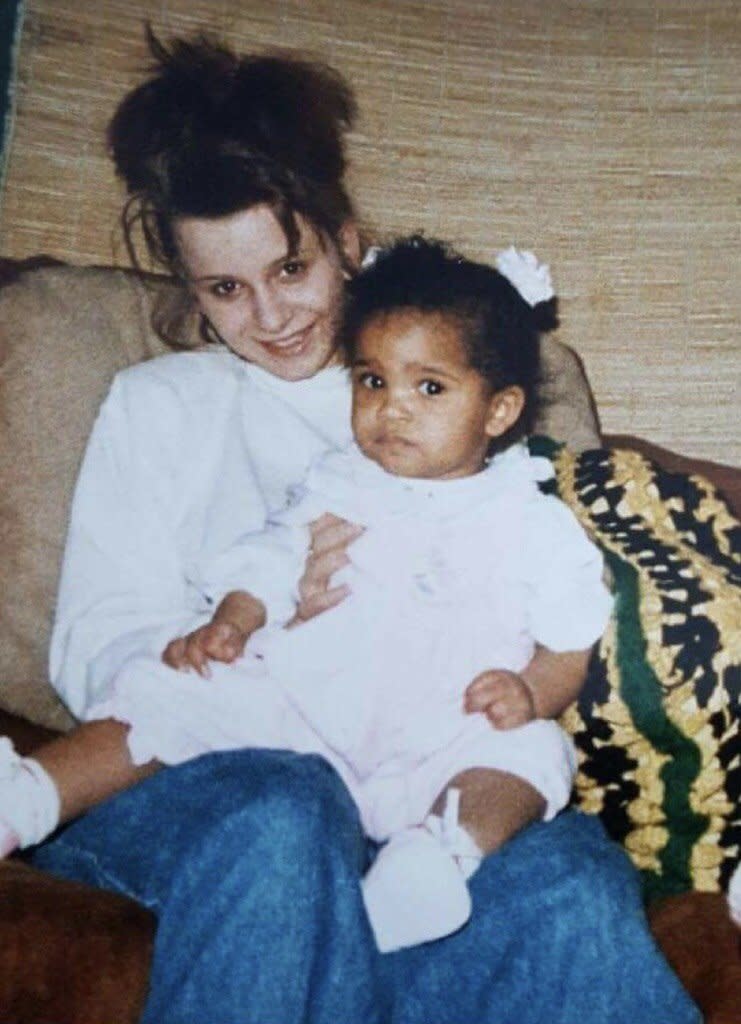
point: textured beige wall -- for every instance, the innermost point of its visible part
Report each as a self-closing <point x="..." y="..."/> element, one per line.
<point x="604" y="134"/>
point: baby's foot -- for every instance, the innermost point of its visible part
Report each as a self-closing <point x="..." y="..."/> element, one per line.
<point x="414" y="892"/>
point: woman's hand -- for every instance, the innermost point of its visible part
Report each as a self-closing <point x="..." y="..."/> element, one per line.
<point x="330" y="537"/>
<point x="504" y="697"/>
<point x="216" y="641"/>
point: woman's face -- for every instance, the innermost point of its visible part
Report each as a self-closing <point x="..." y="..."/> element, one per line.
<point x="275" y="310"/>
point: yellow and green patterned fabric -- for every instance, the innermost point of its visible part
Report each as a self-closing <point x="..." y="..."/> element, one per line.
<point x="657" y="723"/>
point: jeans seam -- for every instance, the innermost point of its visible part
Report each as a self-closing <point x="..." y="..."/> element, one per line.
<point x="103" y="878"/>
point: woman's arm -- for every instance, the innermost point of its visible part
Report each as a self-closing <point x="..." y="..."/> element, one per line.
<point x="141" y="516"/>
<point x="121" y="580"/>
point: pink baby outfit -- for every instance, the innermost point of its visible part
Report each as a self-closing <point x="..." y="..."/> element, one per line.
<point x="450" y="578"/>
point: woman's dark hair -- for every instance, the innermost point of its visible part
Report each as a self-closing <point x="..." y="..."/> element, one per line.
<point x="498" y="328"/>
<point x="210" y="133"/>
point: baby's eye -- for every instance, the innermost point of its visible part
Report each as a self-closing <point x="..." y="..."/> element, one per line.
<point x="431" y="387"/>
<point x="224" y="289"/>
<point x="370" y="380"/>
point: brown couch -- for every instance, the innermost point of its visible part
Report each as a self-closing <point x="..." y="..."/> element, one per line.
<point x="69" y="954"/>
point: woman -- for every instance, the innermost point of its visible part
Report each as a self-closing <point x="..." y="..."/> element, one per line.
<point x="251" y="860"/>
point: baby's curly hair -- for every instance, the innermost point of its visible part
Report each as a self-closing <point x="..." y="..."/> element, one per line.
<point x="498" y="328"/>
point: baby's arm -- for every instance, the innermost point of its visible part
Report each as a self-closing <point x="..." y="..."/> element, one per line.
<point x="568" y="609"/>
<point x="544" y="689"/>
<point x="236" y="618"/>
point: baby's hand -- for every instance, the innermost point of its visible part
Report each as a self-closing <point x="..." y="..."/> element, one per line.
<point x="216" y="641"/>
<point x="503" y="696"/>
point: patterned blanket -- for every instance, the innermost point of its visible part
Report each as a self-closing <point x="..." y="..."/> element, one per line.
<point x="657" y="723"/>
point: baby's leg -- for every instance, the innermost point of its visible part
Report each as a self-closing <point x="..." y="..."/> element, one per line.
<point x="513" y="777"/>
<point x="416" y="889"/>
<point x="65" y="777"/>
<point x="494" y="806"/>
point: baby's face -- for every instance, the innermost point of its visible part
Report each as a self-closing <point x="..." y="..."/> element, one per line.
<point x="419" y="409"/>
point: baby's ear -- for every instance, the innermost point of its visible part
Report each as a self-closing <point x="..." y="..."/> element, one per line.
<point x="505" y="409"/>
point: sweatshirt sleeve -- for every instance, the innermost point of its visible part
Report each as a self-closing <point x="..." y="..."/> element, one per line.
<point x="569" y="604"/>
<point x="268" y="563"/>
<point x="122" y="590"/>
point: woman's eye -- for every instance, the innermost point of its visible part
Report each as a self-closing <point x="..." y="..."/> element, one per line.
<point x="431" y="387"/>
<point x="293" y="268"/>
<point x="223" y="289"/>
<point x="371" y="381"/>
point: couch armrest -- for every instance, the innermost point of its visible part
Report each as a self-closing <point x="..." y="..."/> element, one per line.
<point x="700" y="941"/>
<point x="727" y="479"/>
<point x="69" y="954"/>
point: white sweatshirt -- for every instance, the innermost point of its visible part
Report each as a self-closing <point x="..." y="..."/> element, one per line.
<point x="188" y="451"/>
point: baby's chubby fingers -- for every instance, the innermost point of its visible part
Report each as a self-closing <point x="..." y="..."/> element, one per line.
<point x="224" y="641"/>
<point x="174" y="654"/>
<point x="503" y="715"/>
<point x="484" y="689"/>
<point x="196" y="656"/>
<point x="503" y="696"/>
<point x="219" y="641"/>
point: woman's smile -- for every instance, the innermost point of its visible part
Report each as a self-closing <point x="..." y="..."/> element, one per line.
<point x="291" y="345"/>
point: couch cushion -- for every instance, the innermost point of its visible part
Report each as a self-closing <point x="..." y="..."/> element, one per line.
<point x="657" y="723"/>
<point x="64" y="332"/>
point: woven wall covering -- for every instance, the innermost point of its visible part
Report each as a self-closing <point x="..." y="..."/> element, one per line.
<point x="11" y="21"/>
<point x="604" y="134"/>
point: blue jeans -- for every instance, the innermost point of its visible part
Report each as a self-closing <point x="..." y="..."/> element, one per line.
<point x="251" y="861"/>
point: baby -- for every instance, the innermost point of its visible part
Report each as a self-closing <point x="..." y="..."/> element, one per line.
<point x="464" y="566"/>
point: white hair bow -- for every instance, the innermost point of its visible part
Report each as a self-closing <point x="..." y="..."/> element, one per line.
<point x="531" y="279"/>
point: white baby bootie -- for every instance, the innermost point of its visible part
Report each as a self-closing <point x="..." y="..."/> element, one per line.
<point x="29" y="801"/>
<point x="415" y="890"/>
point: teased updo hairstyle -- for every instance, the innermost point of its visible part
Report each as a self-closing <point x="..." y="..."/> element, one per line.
<point x="500" y="331"/>
<point x="210" y="133"/>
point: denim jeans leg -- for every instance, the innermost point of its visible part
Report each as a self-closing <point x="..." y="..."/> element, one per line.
<point x="557" y="936"/>
<point x="251" y="861"/>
